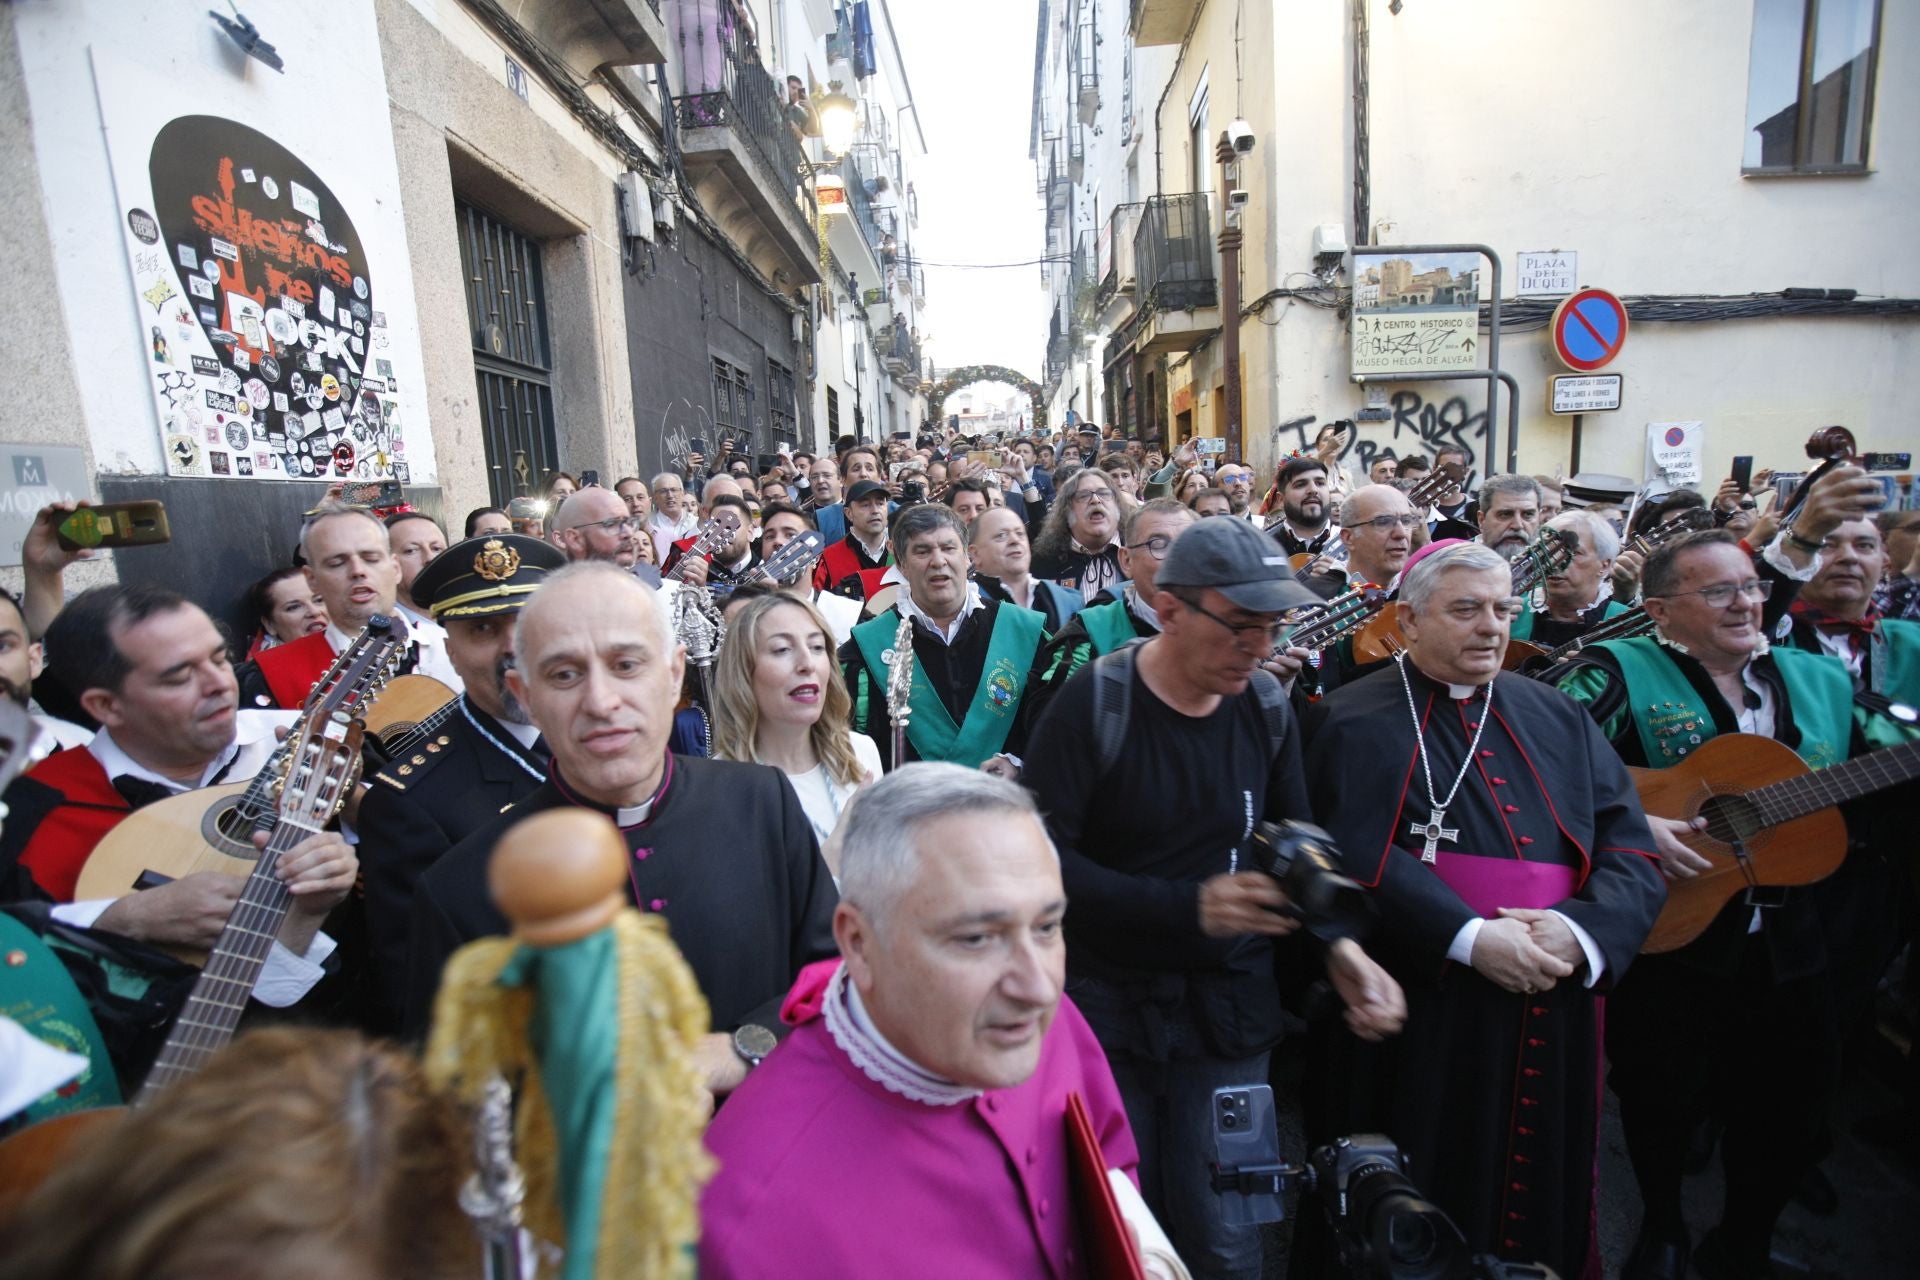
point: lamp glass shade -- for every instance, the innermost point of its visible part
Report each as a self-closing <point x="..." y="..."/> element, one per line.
<point x="837" y="123"/>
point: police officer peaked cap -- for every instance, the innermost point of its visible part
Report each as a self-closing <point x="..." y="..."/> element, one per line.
<point x="494" y="573"/>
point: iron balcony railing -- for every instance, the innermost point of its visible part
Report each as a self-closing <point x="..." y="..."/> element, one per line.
<point x="726" y="86"/>
<point x="1173" y="253"/>
<point x="861" y="203"/>
<point x="898" y="349"/>
<point x="1123" y="224"/>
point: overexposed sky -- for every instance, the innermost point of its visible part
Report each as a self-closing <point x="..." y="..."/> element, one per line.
<point x="971" y="69"/>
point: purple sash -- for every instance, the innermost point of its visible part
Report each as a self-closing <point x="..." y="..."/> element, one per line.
<point x="1487" y="884"/>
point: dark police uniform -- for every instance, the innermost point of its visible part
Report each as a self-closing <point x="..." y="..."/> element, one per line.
<point x="462" y="773"/>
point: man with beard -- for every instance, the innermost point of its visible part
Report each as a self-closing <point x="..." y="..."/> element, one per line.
<point x="1002" y="563"/>
<point x="721" y="851"/>
<point x="1305" y="524"/>
<point x="1516" y="878"/>
<point x="732" y="563"/>
<point x="853" y="565"/>
<point x="1079" y="546"/>
<point x="971" y="656"/>
<point x="477" y="760"/>
<point x="1509" y="513"/>
<point x="349" y="562"/>
<point x="594" y="524"/>
<point x="1237" y="479"/>
<point x="1574" y="600"/>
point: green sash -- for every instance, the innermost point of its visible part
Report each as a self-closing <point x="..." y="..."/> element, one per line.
<point x="1523" y="625"/>
<point x="40" y="995"/>
<point x="1896" y="661"/>
<point x="1672" y="719"/>
<point x="1010" y="651"/>
<point x="1109" y="626"/>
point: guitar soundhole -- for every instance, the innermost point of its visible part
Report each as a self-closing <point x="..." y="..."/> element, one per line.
<point x="1732" y="818"/>
<point x="229" y="831"/>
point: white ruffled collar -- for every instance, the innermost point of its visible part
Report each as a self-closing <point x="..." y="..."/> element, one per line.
<point x="852" y="1029"/>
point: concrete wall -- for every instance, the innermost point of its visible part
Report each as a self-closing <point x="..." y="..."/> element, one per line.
<point x="1505" y="123"/>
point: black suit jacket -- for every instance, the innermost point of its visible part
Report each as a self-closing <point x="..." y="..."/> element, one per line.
<point x="418" y="807"/>
<point x="728" y="858"/>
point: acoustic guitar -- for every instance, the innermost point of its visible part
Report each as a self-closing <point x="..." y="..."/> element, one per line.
<point x="212" y="829"/>
<point x="411" y="708"/>
<point x="1522" y="652"/>
<point x="1771" y="821"/>
<point x="321" y="762"/>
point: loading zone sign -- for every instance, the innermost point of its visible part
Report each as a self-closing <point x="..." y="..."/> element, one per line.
<point x="1415" y="312"/>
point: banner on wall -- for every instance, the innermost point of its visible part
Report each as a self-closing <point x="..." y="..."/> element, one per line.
<point x="268" y="342"/>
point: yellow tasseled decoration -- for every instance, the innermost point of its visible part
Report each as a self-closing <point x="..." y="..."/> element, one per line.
<point x="656" y="1164"/>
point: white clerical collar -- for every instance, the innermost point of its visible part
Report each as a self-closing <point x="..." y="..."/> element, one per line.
<point x="114" y="759"/>
<point x="904" y="602"/>
<point x="1141" y="609"/>
<point x="633" y="815"/>
<point x="1458" y="692"/>
<point x="853" y="1030"/>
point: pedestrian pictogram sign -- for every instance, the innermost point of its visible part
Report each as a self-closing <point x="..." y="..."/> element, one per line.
<point x="1589" y="329"/>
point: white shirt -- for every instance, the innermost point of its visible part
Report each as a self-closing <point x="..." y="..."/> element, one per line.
<point x="907" y="607"/>
<point x="1140" y="608"/>
<point x="665" y="532"/>
<point x="824" y="798"/>
<point x="55" y="735"/>
<point x="285" y="977"/>
<point x="842" y="614"/>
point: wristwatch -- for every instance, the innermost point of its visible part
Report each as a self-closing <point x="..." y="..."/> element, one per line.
<point x="753" y="1043"/>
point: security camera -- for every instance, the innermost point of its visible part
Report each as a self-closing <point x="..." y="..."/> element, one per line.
<point x="1237" y="198"/>
<point x="1240" y="134"/>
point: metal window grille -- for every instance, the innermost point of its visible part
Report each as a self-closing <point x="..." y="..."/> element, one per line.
<point x="833" y="412"/>
<point x="507" y="315"/>
<point x="782" y="408"/>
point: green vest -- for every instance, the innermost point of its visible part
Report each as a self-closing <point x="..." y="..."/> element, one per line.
<point x="1010" y="652"/>
<point x="1672" y="719"/>
<point x="39" y="994"/>
<point x="1896" y="661"/>
<point x="1109" y="626"/>
<point x="1523" y="625"/>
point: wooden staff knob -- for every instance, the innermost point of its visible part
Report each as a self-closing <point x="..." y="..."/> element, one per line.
<point x="559" y="875"/>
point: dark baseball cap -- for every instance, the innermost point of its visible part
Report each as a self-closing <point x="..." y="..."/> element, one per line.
<point x="1237" y="560"/>
<point x="863" y="489"/>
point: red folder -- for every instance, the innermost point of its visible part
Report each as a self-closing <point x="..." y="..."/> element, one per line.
<point x="1104" y="1237"/>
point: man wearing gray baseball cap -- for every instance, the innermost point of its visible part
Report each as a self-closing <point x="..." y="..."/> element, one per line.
<point x="1153" y="765"/>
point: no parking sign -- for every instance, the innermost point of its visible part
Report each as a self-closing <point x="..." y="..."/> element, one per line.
<point x="1589" y="329"/>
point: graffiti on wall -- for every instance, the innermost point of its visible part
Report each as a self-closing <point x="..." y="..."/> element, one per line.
<point x="1417" y="425"/>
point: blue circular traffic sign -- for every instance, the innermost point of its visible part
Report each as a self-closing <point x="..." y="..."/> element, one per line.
<point x="1589" y="329"/>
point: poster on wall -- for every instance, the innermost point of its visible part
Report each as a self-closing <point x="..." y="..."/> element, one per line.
<point x="268" y="344"/>
<point x="1415" y="312"/>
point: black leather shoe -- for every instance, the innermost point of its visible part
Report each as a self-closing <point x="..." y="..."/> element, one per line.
<point x="1656" y="1258"/>
<point x="1816" y="1194"/>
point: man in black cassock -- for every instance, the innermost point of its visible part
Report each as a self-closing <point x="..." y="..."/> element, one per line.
<point x="1516" y="878"/>
<point x="722" y="850"/>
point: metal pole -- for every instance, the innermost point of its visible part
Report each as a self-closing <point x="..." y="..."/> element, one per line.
<point x="1575" y="469"/>
<point x="1229" y="302"/>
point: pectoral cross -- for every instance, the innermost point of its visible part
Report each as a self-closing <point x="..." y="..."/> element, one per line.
<point x="1433" y="833"/>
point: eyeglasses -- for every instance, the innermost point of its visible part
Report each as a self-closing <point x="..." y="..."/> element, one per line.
<point x="1266" y="634"/>
<point x="1387" y="524"/>
<point x="1156" y="546"/>
<point x="1084" y="496"/>
<point x="1508" y="607"/>
<point x="1720" y="595"/>
<point x="613" y="524"/>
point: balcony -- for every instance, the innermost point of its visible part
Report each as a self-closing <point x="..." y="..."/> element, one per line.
<point x="1121" y="278"/>
<point x="899" y="352"/>
<point x="1161" y="21"/>
<point x="1178" y="294"/>
<point x="879" y="238"/>
<point x="740" y="153"/>
<point x="910" y="280"/>
<point x="587" y="38"/>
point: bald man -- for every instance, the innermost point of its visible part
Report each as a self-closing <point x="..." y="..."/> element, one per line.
<point x="722" y="850"/>
<point x="594" y="524"/>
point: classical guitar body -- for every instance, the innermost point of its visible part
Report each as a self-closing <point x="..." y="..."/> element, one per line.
<point x="1380" y="639"/>
<point x="1714" y="782"/>
<point x="1519" y="653"/>
<point x="404" y="703"/>
<point x="36" y="1153"/>
<point x="169" y="840"/>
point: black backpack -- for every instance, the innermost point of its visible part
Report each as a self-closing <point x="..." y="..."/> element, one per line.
<point x="1113" y="704"/>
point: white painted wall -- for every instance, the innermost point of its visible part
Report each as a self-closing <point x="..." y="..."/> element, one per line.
<point x="311" y="109"/>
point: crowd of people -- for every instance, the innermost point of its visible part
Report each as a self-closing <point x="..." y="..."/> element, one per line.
<point x="953" y="768"/>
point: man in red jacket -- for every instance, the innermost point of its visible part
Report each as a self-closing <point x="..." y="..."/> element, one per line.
<point x="853" y="565"/>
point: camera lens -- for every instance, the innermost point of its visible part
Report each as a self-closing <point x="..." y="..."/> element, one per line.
<point x="1229" y="1120"/>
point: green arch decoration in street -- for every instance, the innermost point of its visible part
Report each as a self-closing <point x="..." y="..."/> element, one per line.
<point x="952" y="380"/>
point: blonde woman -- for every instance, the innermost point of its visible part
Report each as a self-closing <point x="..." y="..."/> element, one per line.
<point x="779" y="699"/>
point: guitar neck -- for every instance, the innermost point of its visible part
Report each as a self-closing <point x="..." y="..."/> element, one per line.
<point x="220" y="994"/>
<point x="1822" y="789"/>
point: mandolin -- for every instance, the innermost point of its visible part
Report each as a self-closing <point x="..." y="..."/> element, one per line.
<point x="211" y="829"/>
<point x="319" y="762"/>
<point x="1539" y="560"/>
<point x="1771" y="820"/>
<point x="411" y="708"/>
<point x="1320" y="626"/>
<point x="789" y="562"/>
<point x="1522" y="652"/>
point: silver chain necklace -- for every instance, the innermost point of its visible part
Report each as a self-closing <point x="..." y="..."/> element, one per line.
<point x="1434" y="829"/>
<point x="500" y="746"/>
